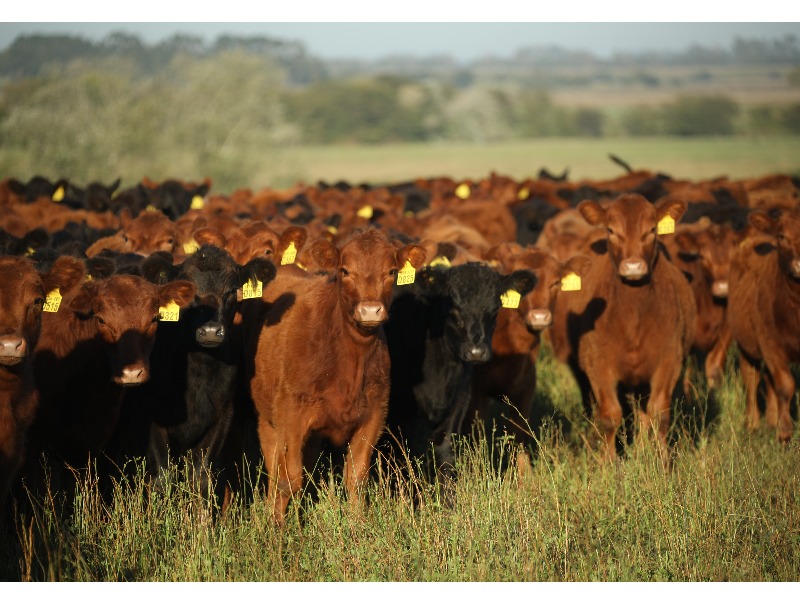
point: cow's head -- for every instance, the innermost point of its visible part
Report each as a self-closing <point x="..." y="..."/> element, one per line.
<point x="536" y="307"/>
<point x="218" y="281"/>
<point x="785" y="231"/>
<point x="467" y="299"/>
<point x="714" y="246"/>
<point x="366" y="266"/>
<point x="125" y="312"/>
<point x="631" y="224"/>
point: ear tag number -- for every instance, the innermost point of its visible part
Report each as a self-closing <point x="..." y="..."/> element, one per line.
<point x="289" y="254"/>
<point x="406" y="275"/>
<point x="666" y="225"/>
<point x="365" y="212"/>
<point x="463" y="191"/>
<point x="571" y="282"/>
<point x="58" y="194"/>
<point x="169" y="313"/>
<point x="251" y="290"/>
<point x="197" y="202"/>
<point x="510" y="299"/>
<point x="440" y="261"/>
<point x="52" y="301"/>
<point x="190" y="247"/>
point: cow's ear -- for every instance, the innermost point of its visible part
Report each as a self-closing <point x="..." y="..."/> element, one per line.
<point x="502" y="253"/>
<point x="258" y="268"/>
<point x="99" y="267"/>
<point x="674" y="207"/>
<point x="181" y="292"/>
<point x="207" y="235"/>
<point x="293" y="234"/>
<point x="761" y="221"/>
<point x="325" y="254"/>
<point x="157" y="269"/>
<point x="521" y="281"/>
<point x="413" y="253"/>
<point x="83" y="301"/>
<point x="579" y="264"/>
<point x="66" y="274"/>
<point x="593" y="213"/>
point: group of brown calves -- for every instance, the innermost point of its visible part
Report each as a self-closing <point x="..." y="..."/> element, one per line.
<point x="625" y="292"/>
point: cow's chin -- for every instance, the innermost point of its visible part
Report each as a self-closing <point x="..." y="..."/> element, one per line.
<point x="10" y="360"/>
<point x="369" y="327"/>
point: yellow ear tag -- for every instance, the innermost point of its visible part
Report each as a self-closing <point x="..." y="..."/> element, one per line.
<point x="510" y="299"/>
<point x="462" y="191"/>
<point x="440" y="261"/>
<point x="571" y="282"/>
<point x="30" y="251"/>
<point x="408" y="213"/>
<point x="289" y="254"/>
<point x="89" y="278"/>
<point x="169" y="313"/>
<point x="406" y="275"/>
<point x="365" y="212"/>
<point x="190" y="247"/>
<point x="301" y="266"/>
<point x="523" y="194"/>
<point x="151" y="208"/>
<point x="197" y="202"/>
<point x="666" y="225"/>
<point x="58" y="194"/>
<point x="333" y="230"/>
<point x="52" y="301"/>
<point x="252" y="290"/>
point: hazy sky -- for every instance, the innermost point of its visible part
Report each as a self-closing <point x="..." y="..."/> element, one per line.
<point x="392" y="33"/>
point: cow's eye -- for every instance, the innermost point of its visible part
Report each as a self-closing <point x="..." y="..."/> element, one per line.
<point x="100" y="320"/>
<point x="38" y="301"/>
<point x="267" y="252"/>
<point x="393" y="272"/>
<point x="344" y="271"/>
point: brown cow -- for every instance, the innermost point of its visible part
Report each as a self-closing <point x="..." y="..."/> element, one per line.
<point x="22" y="295"/>
<point x="630" y="326"/>
<point x="704" y="251"/>
<point x="764" y="314"/>
<point x="97" y="342"/>
<point x="321" y="364"/>
<point x="517" y="335"/>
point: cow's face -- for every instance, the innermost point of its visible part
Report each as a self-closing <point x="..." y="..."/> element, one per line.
<point x="124" y="310"/>
<point x="148" y="233"/>
<point x="716" y="246"/>
<point x="21" y="299"/>
<point x="219" y="281"/>
<point x="631" y="224"/>
<point x="366" y="267"/>
<point x="470" y="299"/>
<point x="785" y="231"/>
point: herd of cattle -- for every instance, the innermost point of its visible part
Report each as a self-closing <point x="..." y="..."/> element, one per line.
<point x="164" y="320"/>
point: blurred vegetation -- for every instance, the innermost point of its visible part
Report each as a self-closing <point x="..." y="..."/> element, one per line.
<point x="230" y="109"/>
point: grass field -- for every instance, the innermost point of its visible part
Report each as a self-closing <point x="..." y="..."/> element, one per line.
<point x="691" y="158"/>
<point x="729" y="510"/>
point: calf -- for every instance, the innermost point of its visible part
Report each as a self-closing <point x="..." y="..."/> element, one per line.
<point x="97" y="342"/>
<point x="188" y="404"/>
<point x="511" y="372"/>
<point x="319" y="361"/>
<point x="764" y="314"/>
<point x="631" y="325"/>
<point x="22" y="296"/>
<point x="438" y="331"/>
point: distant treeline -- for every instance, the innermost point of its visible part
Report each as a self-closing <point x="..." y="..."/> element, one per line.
<point x="226" y="110"/>
<point x="30" y="55"/>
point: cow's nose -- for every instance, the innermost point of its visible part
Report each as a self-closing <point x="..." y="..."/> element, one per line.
<point x="475" y="353"/>
<point x="633" y="269"/>
<point x="370" y="312"/>
<point x="210" y="334"/>
<point x="538" y="319"/>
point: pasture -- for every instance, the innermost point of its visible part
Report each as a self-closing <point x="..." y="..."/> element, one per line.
<point x="727" y="510"/>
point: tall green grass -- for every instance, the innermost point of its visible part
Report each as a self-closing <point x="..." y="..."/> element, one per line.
<point x="727" y="510"/>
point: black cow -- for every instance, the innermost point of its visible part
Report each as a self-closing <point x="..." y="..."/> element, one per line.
<point x="188" y="405"/>
<point x="437" y="331"/>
